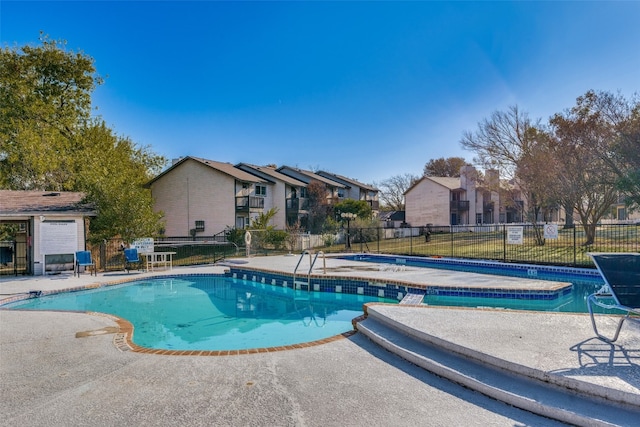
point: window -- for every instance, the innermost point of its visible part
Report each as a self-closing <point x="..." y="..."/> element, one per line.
<point x="341" y="192"/>
<point x="303" y="192"/>
<point x="261" y="190"/>
<point x="199" y="225"/>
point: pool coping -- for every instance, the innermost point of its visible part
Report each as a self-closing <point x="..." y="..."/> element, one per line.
<point x="123" y="337"/>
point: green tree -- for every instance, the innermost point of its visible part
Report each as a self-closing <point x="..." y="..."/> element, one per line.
<point x="621" y="151"/>
<point x="585" y="134"/>
<point x="49" y="140"/>
<point x="359" y="207"/>
<point x="265" y="233"/>
<point x="449" y="167"/>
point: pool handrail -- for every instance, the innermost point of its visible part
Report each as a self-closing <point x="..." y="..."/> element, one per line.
<point x="311" y="264"/>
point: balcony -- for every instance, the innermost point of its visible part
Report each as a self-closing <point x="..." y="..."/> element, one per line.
<point x="374" y="204"/>
<point x="459" y="205"/>
<point x="515" y="206"/>
<point x="297" y="204"/>
<point x="247" y="203"/>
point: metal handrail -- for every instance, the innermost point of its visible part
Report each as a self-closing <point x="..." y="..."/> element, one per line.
<point x="311" y="264"/>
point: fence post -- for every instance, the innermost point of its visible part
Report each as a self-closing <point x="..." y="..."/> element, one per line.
<point x="378" y="230"/>
<point x="504" y="242"/>
<point x="410" y="241"/>
<point x="575" y="255"/>
<point x="451" y="233"/>
<point x="103" y="256"/>
<point x="14" y="254"/>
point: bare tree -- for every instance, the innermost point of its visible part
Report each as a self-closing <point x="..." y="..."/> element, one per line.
<point x="392" y="191"/>
<point x="318" y="206"/>
<point x="511" y="143"/>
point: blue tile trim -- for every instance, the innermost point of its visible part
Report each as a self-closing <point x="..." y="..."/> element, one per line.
<point x="392" y="290"/>
<point x="483" y="266"/>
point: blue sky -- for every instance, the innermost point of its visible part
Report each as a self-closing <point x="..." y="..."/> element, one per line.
<point x="368" y="90"/>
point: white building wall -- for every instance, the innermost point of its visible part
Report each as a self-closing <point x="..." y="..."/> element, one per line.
<point x="279" y="202"/>
<point x="39" y="264"/>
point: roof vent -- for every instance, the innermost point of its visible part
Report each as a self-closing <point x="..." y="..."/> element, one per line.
<point x="50" y="194"/>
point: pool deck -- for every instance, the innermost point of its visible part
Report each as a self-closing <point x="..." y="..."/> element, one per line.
<point x="45" y="365"/>
<point x="395" y="273"/>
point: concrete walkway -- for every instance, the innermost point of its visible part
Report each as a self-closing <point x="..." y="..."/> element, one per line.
<point x="64" y="369"/>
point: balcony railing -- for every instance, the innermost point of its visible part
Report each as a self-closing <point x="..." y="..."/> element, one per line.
<point x="246" y="203"/>
<point x="515" y="206"/>
<point x="459" y="205"/>
<point x="297" y="204"/>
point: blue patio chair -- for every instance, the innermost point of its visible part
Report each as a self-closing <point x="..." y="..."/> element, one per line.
<point x="131" y="257"/>
<point x="621" y="274"/>
<point x="83" y="259"/>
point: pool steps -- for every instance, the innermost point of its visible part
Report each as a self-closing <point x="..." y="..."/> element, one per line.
<point x="556" y="397"/>
<point x="412" y="299"/>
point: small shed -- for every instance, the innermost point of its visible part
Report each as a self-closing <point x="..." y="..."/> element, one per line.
<point x="46" y="229"/>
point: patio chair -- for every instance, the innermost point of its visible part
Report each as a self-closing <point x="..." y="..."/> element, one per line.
<point x="83" y="259"/>
<point x="131" y="257"/>
<point x="621" y="274"/>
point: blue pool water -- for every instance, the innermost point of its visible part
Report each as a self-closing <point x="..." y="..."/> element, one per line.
<point x="584" y="282"/>
<point x="214" y="312"/>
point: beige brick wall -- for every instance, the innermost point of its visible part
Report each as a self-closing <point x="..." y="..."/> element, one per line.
<point x="427" y="203"/>
<point x="191" y="192"/>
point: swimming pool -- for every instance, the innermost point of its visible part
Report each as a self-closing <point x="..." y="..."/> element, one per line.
<point x="583" y="283"/>
<point x="214" y="312"/>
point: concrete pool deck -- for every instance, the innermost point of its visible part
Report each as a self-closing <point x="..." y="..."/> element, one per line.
<point x="52" y="374"/>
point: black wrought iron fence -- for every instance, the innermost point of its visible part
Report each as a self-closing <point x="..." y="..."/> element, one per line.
<point x="109" y="255"/>
<point x="504" y="242"/>
<point x="492" y="242"/>
<point x="13" y="258"/>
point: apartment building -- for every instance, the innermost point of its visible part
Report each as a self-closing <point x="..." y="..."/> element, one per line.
<point x="200" y="196"/>
<point x="468" y="199"/>
<point x="204" y="197"/>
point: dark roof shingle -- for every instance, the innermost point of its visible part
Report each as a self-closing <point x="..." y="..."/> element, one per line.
<point x="28" y="202"/>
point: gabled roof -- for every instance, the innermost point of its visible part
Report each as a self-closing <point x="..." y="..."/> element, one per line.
<point x="392" y="216"/>
<point x="226" y="168"/>
<point x="349" y="182"/>
<point x="311" y="176"/>
<point x="451" y="183"/>
<point x="271" y="173"/>
<point x="39" y="202"/>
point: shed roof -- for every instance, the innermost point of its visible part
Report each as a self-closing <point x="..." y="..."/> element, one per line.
<point x="13" y="202"/>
